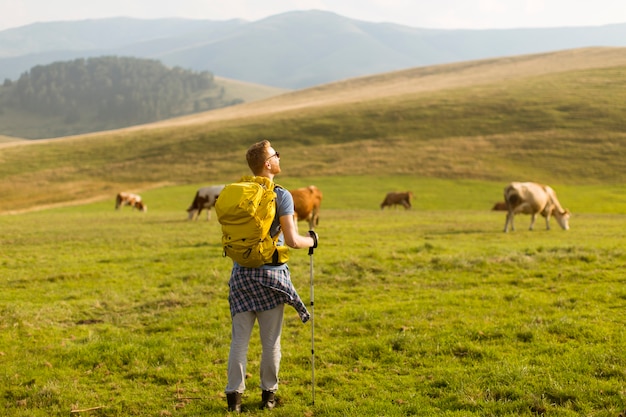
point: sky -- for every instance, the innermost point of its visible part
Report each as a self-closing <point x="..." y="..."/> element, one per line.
<point x="443" y="14"/>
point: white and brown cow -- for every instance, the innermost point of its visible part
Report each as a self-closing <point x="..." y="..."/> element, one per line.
<point x="306" y="204"/>
<point x="532" y="198"/>
<point x="205" y="198"/>
<point x="130" y="199"/>
<point x="394" y="198"/>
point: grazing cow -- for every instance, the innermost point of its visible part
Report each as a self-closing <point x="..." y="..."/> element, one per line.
<point x="532" y="198"/>
<point x="392" y="198"/>
<point x="306" y="204"/>
<point x="205" y="199"/>
<point x="500" y="206"/>
<point x="130" y="199"/>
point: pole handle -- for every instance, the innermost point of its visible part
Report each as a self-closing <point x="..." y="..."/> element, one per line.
<point x="314" y="236"/>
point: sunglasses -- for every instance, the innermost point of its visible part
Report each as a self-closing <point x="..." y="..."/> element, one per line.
<point x="277" y="155"/>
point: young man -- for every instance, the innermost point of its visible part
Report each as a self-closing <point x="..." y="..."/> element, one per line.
<point x="261" y="293"/>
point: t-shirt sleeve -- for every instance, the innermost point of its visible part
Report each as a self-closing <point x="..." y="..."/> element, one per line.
<point x="284" y="203"/>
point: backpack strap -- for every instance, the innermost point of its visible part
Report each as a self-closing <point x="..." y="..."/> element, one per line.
<point x="275" y="255"/>
<point x="275" y="258"/>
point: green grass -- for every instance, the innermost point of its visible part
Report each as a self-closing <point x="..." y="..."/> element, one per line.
<point x="428" y="312"/>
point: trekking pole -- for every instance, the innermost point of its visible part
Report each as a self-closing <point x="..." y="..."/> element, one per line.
<point x="314" y="236"/>
<point x="312" y="330"/>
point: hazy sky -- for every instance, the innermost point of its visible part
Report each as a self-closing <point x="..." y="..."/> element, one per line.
<point x="448" y="14"/>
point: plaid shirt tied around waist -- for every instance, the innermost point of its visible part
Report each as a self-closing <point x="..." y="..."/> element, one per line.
<point x="262" y="289"/>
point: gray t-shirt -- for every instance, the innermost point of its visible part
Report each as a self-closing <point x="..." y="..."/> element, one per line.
<point x="284" y="207"/>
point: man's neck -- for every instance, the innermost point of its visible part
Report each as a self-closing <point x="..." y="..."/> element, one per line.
<point x="266" y="174"/>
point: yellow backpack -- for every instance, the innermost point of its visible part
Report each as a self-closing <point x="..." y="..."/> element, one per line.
<point x="246" y="209"/>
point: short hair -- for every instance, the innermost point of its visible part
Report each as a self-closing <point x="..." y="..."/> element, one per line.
<point x="257" y="155"/>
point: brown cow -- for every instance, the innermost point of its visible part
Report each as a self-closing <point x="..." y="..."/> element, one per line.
<point x="307" y="202"/>
<point x="392" y="198"/>
<point x="130" y="199"/>
<point x="205" y="198"/>
<point x="532" y="198"/>
<point x="500" y="206"/>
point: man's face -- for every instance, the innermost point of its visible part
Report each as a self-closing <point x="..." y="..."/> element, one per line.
<point x="273" y="160"/>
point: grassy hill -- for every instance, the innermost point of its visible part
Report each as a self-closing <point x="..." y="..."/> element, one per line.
<point x="248" y="92"/>
<point x="555" y="118"/>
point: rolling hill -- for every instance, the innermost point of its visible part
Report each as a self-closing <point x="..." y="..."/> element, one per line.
<point x="554" y="117"/>
<point x="291" y="50"/>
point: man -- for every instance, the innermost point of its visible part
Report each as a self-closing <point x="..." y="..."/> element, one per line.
<point x="261" y="293"/>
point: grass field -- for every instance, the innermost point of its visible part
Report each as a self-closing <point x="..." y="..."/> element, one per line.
<point x="428" y="312"/>
<point x="432" y="311"/>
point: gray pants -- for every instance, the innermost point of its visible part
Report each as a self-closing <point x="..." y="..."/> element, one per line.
<point x="270" y="328"/>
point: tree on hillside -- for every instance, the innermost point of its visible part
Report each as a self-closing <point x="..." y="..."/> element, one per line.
<point x="119" y="90"/>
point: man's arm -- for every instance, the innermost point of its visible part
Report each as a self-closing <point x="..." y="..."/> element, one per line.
<point x="292" y="238"/>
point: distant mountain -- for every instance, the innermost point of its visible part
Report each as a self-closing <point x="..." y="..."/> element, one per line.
<point x="291" y="50"/>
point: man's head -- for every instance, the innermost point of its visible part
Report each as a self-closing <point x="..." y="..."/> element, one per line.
<point x="263" y="159"/>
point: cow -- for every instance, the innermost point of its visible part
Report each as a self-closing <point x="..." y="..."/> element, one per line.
<point x="532" y="198"/>
<point x="205" y="198"/>
<point x="306" y="204"/>
<point x="130" y="199"/>
<point x="394" y="198"/>
<point x="500" y="206"/>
